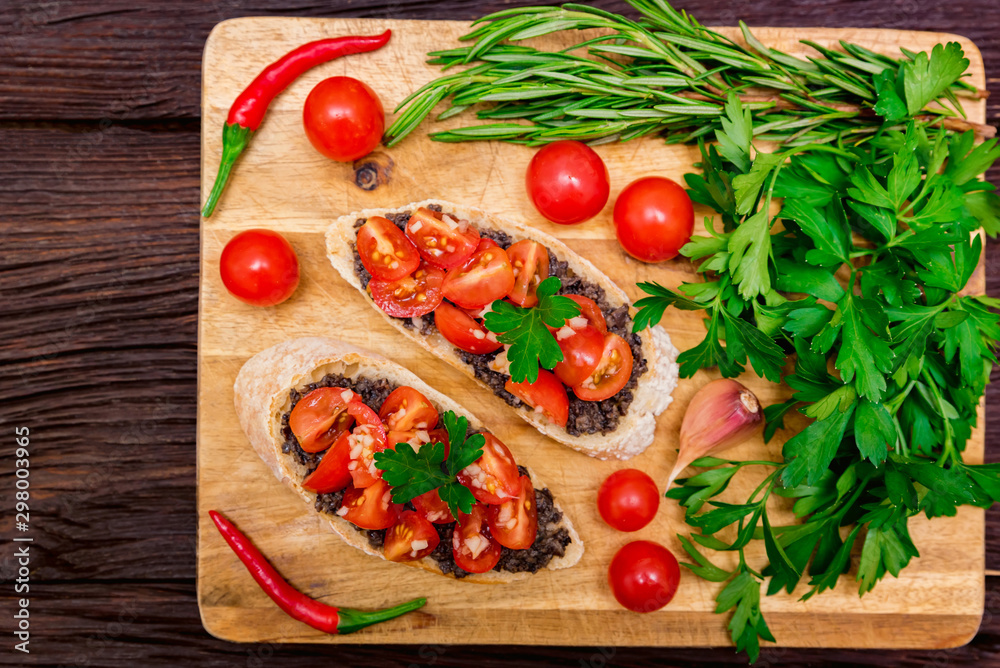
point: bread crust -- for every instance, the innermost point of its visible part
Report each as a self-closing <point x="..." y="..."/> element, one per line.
<point x="635" y="431"/>
<point x="262" y="390"/>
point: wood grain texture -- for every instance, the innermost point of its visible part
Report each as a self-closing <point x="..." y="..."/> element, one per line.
<point x="284" y="185"/>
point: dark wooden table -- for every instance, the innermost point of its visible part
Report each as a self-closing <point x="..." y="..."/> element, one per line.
<point x="99" y="143"/>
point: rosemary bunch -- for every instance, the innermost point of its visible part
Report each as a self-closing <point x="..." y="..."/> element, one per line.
<point x="666" y="74"/>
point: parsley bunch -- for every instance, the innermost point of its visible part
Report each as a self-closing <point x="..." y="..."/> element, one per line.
<point x="853" y="293"/>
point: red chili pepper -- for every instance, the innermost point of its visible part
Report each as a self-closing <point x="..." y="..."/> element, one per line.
<point x="248" y="110"/>
<point x="318" y="615"/>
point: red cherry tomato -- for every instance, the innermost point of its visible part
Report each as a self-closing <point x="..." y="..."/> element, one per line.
<point x="417" y="438"/>
<point x="567" y="182"/>
<point x="411" y="538"/>
<point x="582" y="349"/>
<point x="413" y="295"/>
<point x="343" y="118"/>
<point x="482" y="279"/>
<point x="433" y="508"/>
<point x="473" y="547"/>
<point x="514" y="523"/>
<point x="367" y="438"/>
<point x="628" y="500"/>
<point x="611" y="374"/>
<point x="438" y="241"/>
<point x="332" y="474"/>
<point x="259" y="267"/>
<point x="370" y="507"/>
<point x="486" y="242"/>
<point x="463" y="331"/>
<point x="385" y="251"/>
<point x="546" y="395"/>
<point x="644" y="576"/>
<point x="320" y="417"/>
<point x="530" y="261"/>
<point x="653" y="219"/>
<point x="493" y="478"/>
<point x="591" y="311"/>
<point x="407" y="409"/>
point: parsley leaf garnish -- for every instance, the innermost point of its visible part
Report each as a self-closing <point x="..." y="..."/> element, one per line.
<point x="411" y="473"/>
<point x="524" y="329"/>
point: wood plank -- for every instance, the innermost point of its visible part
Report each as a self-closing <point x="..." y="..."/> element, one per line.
<point x="936" y="602"/>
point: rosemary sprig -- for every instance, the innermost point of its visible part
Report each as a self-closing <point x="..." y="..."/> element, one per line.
<point x="665" y="74"/>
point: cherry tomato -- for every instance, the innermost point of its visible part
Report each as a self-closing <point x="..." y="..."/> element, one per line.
<point x="530" y="261"/>
<point x="443" y="242"/>
<point x="514" y="523"/>
<point x="343" y="118"/>
<point x="591" y="311"/>
<point x="473" y="547"/>
<point x="463" y="331"/>
<point x="546" y="395"/>
<point x="332" y="474"/>
<point x="417" y="438"/>
<point x="486" y="242"/>
<point x="567" y="182"/>
<point x="407" y="409"/>
<point x="644" y="576"/>
<point x="433" y="508"/>
<point x="320" y="417"/>
<point x="628" y="500"/>
<point x="385" y="251"/>
<point x="493" y="478"/>
<point x="413" y="295"/>
<point x="582" y="349"/>
<point x="367" y="438"/>
<point x="259" y="267"/>
<point x="411" y="538"/>
<point x="611" y="374"/>
<point x="482" y="279"/>
<point x="653" y="219"/>
<point x="370" y="507"/>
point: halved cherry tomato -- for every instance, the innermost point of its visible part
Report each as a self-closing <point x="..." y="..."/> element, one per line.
<point x="530" y="261"/>
<point x="482" y="279"/>
<point x="514" y="523"/>
<point x="367" y="438"/>
<point x="406" y="409"/>
<point x="412" y="537"/>
<point x="546" y="395"/>
<point x="320" y="417"/>
<point x="433" y="508"/>
<point x="486" y="242"/>
<point x="385" y="251"/>
<point x="611" y="374"/>
<point x="332" y="474"/>
<point x="418" y="438"/>
<point x="416" y="294"/>
<point x="473" y="547"/>
<point x="371" y="507"/>
<point x="440" y="243"/>
<point x="493" y="478"/>
<point x="463" y="331"/>
<point x="582" y="349"/>
<point x="591" y="311"/>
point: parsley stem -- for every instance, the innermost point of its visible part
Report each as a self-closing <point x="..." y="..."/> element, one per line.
<point x="948" y="453"/>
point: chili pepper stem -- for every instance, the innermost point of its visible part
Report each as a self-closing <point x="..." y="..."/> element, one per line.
<point x="352" y="620"/>
<point x="235" y="139"/>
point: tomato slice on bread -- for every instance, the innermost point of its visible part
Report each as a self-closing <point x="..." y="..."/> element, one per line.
<point x="530" y="262"/>
<point x="472" y="546"/>
<point x="591" y="311"/>
<point x="514" y="523"/>
<point x="367" y="438"/>
<point x="332" y="474"/>
<point x="611" y="374"/>
<point x="493" y="478"/>
<point x="482" y="279"/>
<point x="582" y="348"/>
<point x="320" y="417"/>
<point x="385" y="251"/>
<point x="430" y="505"/>
<point x="370" y="507"/>
<point x="440" y="239"/>
<point x="411" y="538"/>
<point x="407" y="409"/>
<point x="412" y="295"/>
<point x="546" y="395"/>
<point x="463" y="331"/>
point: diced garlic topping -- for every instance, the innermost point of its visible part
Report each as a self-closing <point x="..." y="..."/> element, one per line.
<point x="346" y="396"/>
<point x="450" y="222"/>
<point x="476" y="545"/>
<point x="564" y="333"/>
<point x="415" y="227"/>
<point x="578" y="322"/>
<point x="342" y="511"/>
<point x="490" y="336"/>
<point x="418" y="545"/>
<point x="478" y="334"/>
<point x="500" y="363"/>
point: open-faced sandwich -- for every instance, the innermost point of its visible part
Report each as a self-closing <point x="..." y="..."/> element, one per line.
<point x="436" y="270"/>
<point x="391" y="463"/>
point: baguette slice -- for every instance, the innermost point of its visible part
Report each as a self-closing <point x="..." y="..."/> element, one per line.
<point x="262" y="391"/>
<point x="652" y="396"/>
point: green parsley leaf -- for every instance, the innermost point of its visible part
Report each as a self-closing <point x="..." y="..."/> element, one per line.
<point x="924" y="79"/>
<point x="874" y="431"/>
<point x="524" y="329"/>
<point x="812" y="449"/>
<point x="890" y="105"/>
<point x="748" y="185"/>
<point x="736" y="134"/>
<point x="749" y="254"/>
<point x="747" y="624"/>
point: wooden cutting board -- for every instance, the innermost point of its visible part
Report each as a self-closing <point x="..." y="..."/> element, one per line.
<point x="283" y="184"/>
